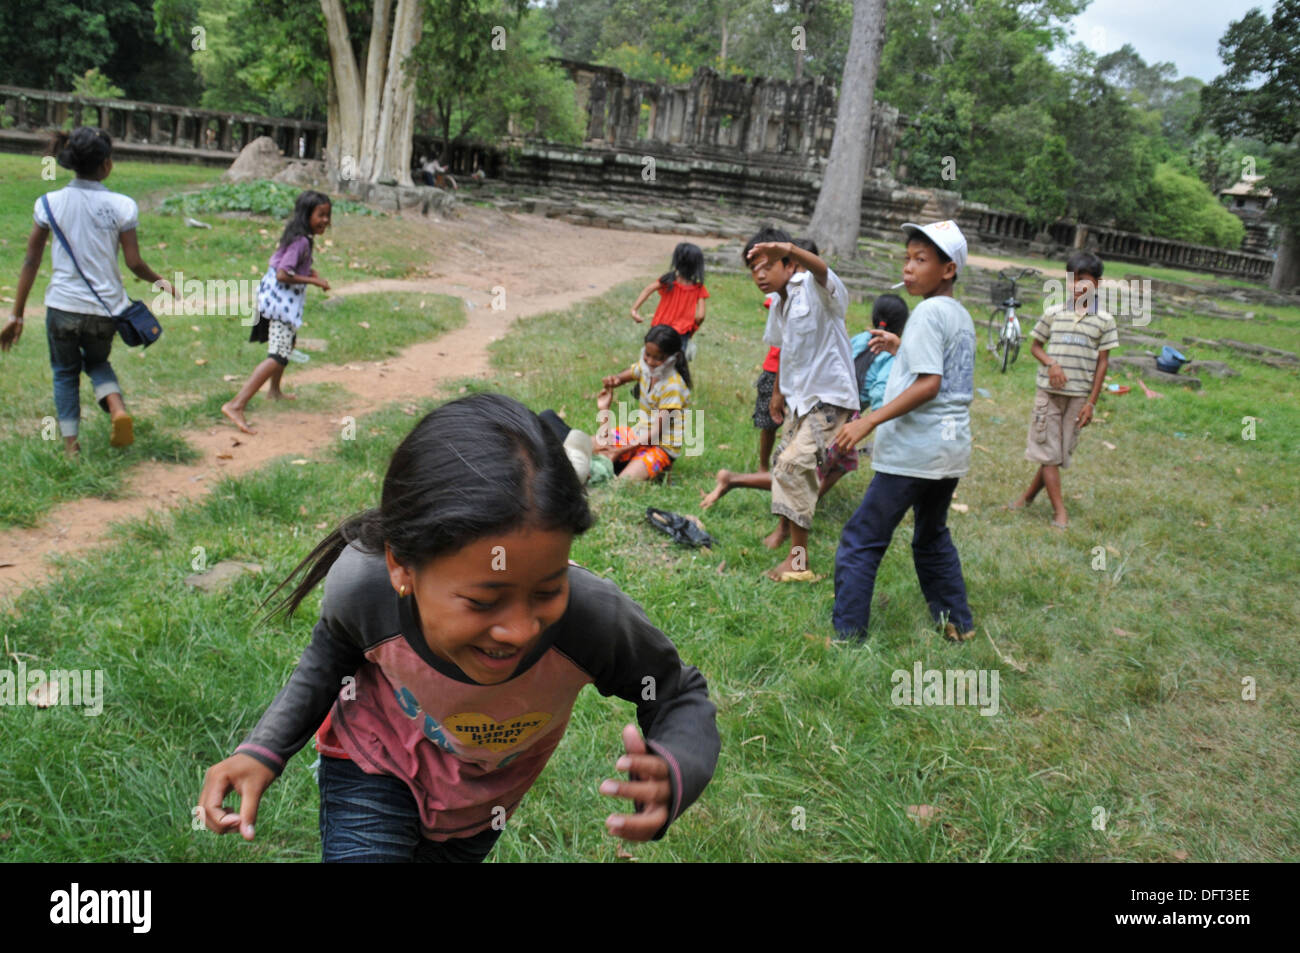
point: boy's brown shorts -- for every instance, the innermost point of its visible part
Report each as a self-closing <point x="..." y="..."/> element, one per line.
<point x="1053" y="433"/>
<point x="803" y="448"/>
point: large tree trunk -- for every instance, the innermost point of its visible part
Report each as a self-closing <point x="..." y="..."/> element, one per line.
<point x="345" y="140"/>
<point x="375" y="57"/>
<point x="397" y="107"/>
<point x="1286" y="270"/>
<point x="838" y="214"/>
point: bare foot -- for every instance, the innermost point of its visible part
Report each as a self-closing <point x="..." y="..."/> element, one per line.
<point x="237" y="415"/>
<point x="1061" y="520"/>
<point x="280" y="395"/>
<point x="723" y="485"/>
<point x="784" y="566"/>
<point x="774" y="539"/>
<point x="1019" y="503"/>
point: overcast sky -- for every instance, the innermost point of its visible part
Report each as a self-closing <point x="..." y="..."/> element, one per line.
<point x="1183" y="32"/>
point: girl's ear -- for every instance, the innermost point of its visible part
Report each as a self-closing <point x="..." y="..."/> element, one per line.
<point x="402" y="578"/>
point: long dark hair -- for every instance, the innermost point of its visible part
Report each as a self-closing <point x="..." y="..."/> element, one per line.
<point x="688" y="264"/>
<point x="83" y="150"/>
<point x="669" y="342"/>
<point x="475" y="467"/>
<point x="299" y="223"/>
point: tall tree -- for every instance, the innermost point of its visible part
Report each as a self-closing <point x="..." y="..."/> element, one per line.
<point x="371" y="117"/>
<point x="1259" y="95"/>
<point x="837" y="216"/>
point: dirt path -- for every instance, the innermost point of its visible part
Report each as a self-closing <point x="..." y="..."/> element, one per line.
<point x="542" y="264"/>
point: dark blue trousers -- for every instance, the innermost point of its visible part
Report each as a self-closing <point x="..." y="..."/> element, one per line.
<point x="866" y="536"/>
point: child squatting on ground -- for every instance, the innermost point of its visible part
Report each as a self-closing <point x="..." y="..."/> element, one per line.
<point x="1078" y="343"/>
<point x="922" y="444"/>
<point x="646" y="450"/>
<point x="814" y="384"/>
<point x="280" y="299"/>
<point x="454" y="637"/>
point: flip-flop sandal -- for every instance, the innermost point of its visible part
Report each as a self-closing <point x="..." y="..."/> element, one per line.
<point x="1061" y="526"/>
<point x="123" y="431"/>
<point x="681" y="529"/>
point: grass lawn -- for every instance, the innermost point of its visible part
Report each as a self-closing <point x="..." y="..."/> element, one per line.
<point x="179" y="382"/>
<point x="1134" y="631"/>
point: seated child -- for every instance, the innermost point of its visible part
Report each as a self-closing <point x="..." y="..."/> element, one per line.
<point x="1079" y="341"/>
<point x="646" y="450"/>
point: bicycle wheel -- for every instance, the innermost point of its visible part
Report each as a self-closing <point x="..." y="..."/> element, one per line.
<point x="996" y="320"/>
<point x="1010" y="351"/>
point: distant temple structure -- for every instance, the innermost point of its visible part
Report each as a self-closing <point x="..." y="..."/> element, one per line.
<point x="1251" y="202"/>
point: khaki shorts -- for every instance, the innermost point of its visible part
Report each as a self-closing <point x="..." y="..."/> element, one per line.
<point x="801" y="451"/>
<point x="1053" y="433"/>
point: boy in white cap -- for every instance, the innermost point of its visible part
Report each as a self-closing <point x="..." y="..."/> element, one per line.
<point x="922" y="443"/>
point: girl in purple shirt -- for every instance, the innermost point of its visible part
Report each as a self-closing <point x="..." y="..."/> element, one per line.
<point x="280" y="300"/>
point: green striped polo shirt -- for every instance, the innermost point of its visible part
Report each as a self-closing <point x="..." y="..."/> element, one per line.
<point x="1074" y="341"/>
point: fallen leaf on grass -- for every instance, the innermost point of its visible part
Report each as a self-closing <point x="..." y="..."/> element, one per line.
<point x="985" y="449"/>
<point x="322" y="525"/>
<point x="364" y="324"/>
<point x="923" y="814"/>
<point x="194" y="327"/>
<point x="302" y="511"/>
<point x="724" y="446"/>
<point x="1122" y="633"/>
<point x="1180" y="854"/>
<point x="229" y="378"/>
<point x="961" y="507"/>
<point x="201" y="361"/>
<point x="722" y="567"/>
<point x="225" y="456"/>
<point x="300" y="462"/>
<point x="1108" y="445"/>
<point x="812" y="637"/>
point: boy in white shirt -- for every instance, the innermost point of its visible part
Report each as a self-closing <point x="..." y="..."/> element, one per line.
<point x="815" y="386"/>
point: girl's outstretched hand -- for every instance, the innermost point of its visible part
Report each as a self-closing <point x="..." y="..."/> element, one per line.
<point x="647" y="786"/>
<point x="245" y="775"/>
<point x="636" y="316"/>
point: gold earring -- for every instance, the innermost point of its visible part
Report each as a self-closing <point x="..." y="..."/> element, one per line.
<point x="402" y="592"/>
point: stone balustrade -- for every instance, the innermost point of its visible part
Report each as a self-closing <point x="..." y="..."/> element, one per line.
<point x="153" y="129"/>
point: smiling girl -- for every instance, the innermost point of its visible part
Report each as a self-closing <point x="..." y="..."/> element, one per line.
<point x="454" y="637"/>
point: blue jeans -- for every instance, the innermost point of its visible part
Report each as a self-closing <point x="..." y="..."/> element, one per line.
<point x="79" y="342"/>
<point x="373" y="818"/>
<point x="866" y="536"/>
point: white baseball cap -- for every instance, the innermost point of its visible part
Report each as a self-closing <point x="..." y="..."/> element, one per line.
<point x="946" y="235"/>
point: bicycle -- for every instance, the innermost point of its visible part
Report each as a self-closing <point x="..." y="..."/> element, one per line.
<point x="1004" y="327"/>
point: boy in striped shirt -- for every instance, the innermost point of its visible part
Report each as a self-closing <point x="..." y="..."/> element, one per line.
<point x="1078" y="341"/>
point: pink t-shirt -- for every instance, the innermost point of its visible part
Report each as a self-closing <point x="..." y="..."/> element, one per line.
<point x="489" y="742"/>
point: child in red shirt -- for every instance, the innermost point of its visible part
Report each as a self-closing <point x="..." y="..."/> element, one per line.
<point x="681" y="294"/>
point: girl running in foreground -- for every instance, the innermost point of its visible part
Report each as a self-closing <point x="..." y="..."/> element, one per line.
<point x="454" y="637"/>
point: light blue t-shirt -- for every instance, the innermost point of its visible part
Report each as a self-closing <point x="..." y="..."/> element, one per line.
<point x="872" y="395"/>
<point x="933" y="441"/>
